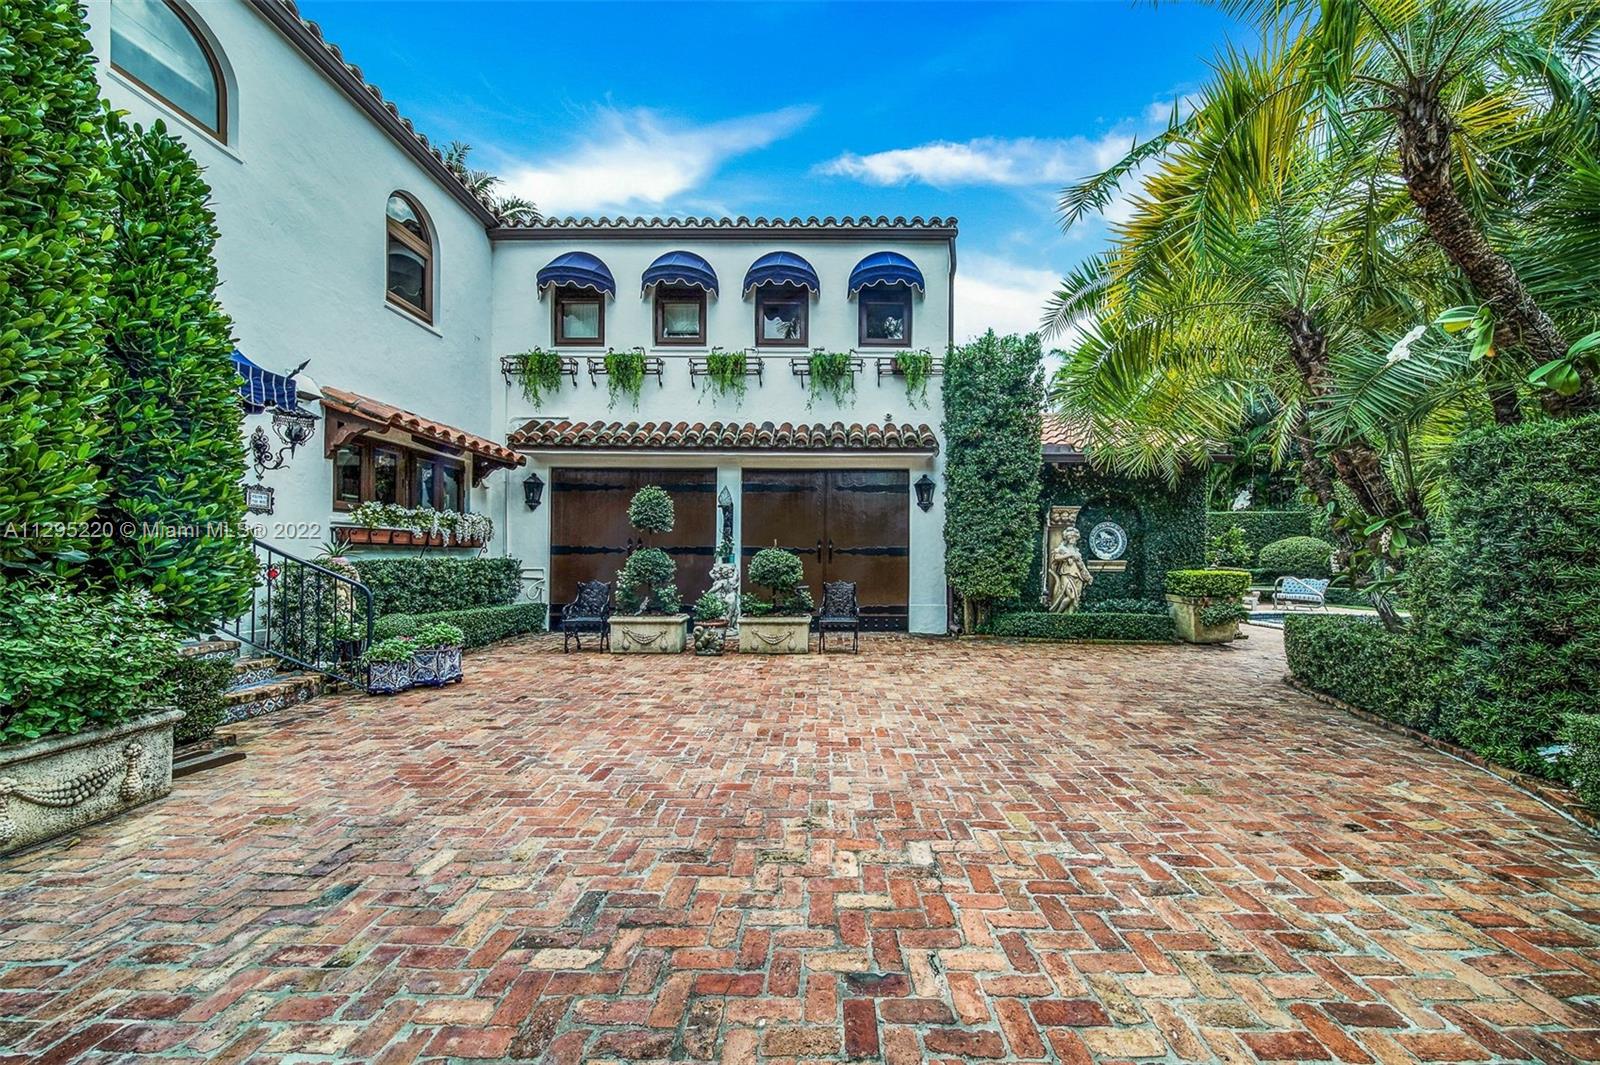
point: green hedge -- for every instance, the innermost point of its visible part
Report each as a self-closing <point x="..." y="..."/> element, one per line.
<point x="1208" y="583"/>
<point x="1297" y="556"/>
<point x="1581" y="733"/>
<point x="1137" y="628"/>
<point x="1261" y="527"/>
<point x="481" y="625"/>
<point x="1358" y="661"/>
<point x="1126" y="606"/>
<point x="198" y="688"/>
<point x="426" y="585"/>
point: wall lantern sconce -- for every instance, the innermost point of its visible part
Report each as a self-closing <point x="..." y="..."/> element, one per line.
<point x="533" y="491"/>
<point x="294" y="428"/>
<point x="924" y="487"/>
<point x="725" y="504"/>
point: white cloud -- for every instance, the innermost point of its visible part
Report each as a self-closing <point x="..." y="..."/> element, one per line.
<point x="1022" y="161"/>
<point x="994" y="293"/>
<point x="642" y="158"/>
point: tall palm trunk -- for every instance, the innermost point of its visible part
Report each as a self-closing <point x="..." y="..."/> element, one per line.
<point x="1426" y="155"/>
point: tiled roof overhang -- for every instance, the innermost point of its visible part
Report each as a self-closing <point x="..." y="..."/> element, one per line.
<point x="741" y="228"/>
<point x="350" y="415"/>
<point x="1063" y="441"/>
<point x="550" y="433"/>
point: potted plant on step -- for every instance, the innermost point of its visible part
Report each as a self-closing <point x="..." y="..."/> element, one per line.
<point x="436" y="655"/>
<point x="781" y="623"/>
<point x="651" y="619"/>
<point x="1205" y="603"/>
<point x="388" y="665"/>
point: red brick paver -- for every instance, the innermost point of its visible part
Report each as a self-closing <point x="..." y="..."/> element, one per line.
<point x="930" y="851"/>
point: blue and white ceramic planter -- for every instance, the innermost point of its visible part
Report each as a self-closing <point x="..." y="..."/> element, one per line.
<point x="386" y="678"/>
<point x="433" y="667"/>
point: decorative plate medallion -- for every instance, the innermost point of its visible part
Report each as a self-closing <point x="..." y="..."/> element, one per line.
<point x="1108" y="540"/>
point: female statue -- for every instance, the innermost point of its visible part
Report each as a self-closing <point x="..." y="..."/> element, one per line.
<point x="1069" y="574"/>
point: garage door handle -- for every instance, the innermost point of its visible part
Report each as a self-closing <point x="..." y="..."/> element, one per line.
<point x="830" y="549"/>
<point x="819" y="549"/>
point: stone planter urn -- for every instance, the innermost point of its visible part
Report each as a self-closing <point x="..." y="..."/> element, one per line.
<point x="388" y="678"/>
<point x="662" y="634"/>
<point x="775" y="635"/>
<point x="1186" y="611"/>
<point x="54" y="785"/>
<point x="433" y="667"/>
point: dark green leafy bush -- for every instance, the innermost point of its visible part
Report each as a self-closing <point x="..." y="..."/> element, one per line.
<point x="420" y="585"/>
<point x="390" y="650"/>
<point x="915" y="367"/>
<point x="198" y="687"/>
<point x="1297" y="556"/>
<point x="175" y="463"/>
<point x="781" y="573"/>
<point x="1137" y="628"/>
<point x="479" y="626"/>
<point x="1208" y="583"/>
<point x="648" y="583"/>
<point x="1229" y="550"/>
<point x="1261" y="527"/>
<point x="1357" y="661"/>
<point x="1125" y="606"/>
<point x="1223" y="613"/>
<point x="1581" y="766"/>
<point x="55" y="201"/>
<point x="70" y="662"/>
<point x="650" y="510"/>
<point x="440" y="634"/>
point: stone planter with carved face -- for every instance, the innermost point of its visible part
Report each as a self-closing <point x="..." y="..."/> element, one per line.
<point x="51" y="786"/>
<point x="663" y="634"/>
<point x="775" y="634"/>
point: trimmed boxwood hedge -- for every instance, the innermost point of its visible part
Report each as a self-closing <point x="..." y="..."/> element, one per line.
<point x="1133" y="628"/>
<point x="1358" y="661"/>
<point x="1208" y="583"/>
<point x="424" y="585"/>
<point x="198" y="689"/>
<point x="1260" y="527"/>
<point x="1581" y="733"/>
<point x="480" y="625"/>
<point x="1296" y="556"/>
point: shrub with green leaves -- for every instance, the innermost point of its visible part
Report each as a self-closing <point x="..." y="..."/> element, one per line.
<point x="1224" y="613"/>
<point x="782" y="574"/>
<point x="650" y="510"/>
<point x="1107" y="626"/>
<point x="76" y="661"/>
<point x="710" y="607"/>
<point x="199" y="687"/>
<point x="480" y="626"/>
<point x="830" y="374"/>
<point x="55" y="203"/>
<point x="1208" y="583"/>
<point x="1357" y="661"/>
<point x="916" y="367"/>
<point x="176" y="459"/>
<point x="387" y="652"/>
<point x="1125" y="606"/>
<point x="422" y="585"/>
<point x="1229" y="550"/>
<point x="440" y="634"/>
<point x="1581" y="764"/>
<point x="540" y="373"/>
<point x="993" y="395"/>
<point x="648" y="583"/>
<point x="725" y="371"/>
<point x="1260" y="527"/>
<point x="624" y="375"/>
<point x="1297" y="556"/>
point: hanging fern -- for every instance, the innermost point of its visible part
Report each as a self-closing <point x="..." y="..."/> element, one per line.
<point x="725" y="370"/>
<point x="625" y="375"/>
<point x="540" y="371"/>
<point x="915" y="367"/>
<point x="833" y="374"/>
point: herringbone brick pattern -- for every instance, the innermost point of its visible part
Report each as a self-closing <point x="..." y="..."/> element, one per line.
<point x="930" y="851"/>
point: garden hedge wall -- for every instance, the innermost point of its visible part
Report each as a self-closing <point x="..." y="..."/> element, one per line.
<point x="482" y="625"/>
<point x="1261" y="527"/>
<point x="426" y="585"/>
<point x="1358" y="661"/>
<point x="1133" y="628"/>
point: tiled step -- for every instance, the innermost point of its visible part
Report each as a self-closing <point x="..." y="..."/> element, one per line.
<point x="275" y="693"/>
<point x="253" y="669"/>
<point x="212" y="648"/>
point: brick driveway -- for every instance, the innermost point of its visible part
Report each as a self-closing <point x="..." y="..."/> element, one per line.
<point x="930" y="851"/>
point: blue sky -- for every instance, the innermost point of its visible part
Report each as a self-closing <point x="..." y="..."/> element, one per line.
<point x="982" y="111"/>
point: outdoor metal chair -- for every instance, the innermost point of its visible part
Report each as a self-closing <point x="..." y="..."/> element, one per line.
<point x="1309" y="592"/>
<point x="589" y="612"/>
<point x="840" y="613"/>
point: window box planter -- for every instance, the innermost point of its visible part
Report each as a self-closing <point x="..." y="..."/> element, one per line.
<point x="361" y="536"/>
<point x="775" y="634"/>
<point x="388" y="678"/>
<point x="54" y="785"/>
<point x="664" y="634"/>
<point x="1186" y="611"/>
<point x="434" y="667"/>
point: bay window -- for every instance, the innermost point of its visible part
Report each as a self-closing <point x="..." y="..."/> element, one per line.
<point x="379" y="472"/>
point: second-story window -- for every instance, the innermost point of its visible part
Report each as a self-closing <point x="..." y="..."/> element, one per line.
<point x="578" y="317"/>
<point x="157" y="45"/>
<point x="886" y="316"/>
<point x="680" y="315"/>
<point x="782" y="316"/>
<point x="408" y="275"/>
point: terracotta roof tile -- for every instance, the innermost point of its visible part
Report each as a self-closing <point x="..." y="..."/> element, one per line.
<point x="546" y="433"/>
<point x="1061" y="435"/>
<point x="743" y="222"/>
<point x="387" y="415"/>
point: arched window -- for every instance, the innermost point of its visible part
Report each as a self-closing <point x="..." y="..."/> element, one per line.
<point x="409" y="274"/>
<point x="157" y="45"/>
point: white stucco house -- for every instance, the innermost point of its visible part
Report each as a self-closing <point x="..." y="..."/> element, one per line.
<point x="347" y="245"/>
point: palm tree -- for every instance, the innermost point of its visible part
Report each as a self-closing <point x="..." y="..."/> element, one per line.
<point x="482" y="184"/>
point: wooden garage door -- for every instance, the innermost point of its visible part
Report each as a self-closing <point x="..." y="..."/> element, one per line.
<point x="590" y="536"/>
<point x="851" y="525"/>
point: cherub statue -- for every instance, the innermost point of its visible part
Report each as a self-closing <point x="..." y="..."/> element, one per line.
<point x="1069" y="574"/>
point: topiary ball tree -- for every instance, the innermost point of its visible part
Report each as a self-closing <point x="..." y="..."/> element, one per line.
<point x="648" y="581"/>
<point x="1298" y="556"/>
<point x="651" y="510"/>
<point x="781" y="573"/>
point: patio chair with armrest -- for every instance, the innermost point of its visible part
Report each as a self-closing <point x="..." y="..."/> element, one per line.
<point x="589" y="612"/>
<point x="839" y="613"/>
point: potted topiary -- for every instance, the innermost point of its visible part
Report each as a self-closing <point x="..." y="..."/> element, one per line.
<point x="388" y="665"/>
<point x="781" y="623"/>
<point x="1205" y="603"/>
<point x="436" y="654"/>
<point x="651" y="620"/>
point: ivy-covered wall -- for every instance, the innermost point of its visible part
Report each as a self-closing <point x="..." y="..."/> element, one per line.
<point x="1166" y="527"/>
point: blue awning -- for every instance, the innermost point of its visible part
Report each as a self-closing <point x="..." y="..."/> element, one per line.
<point x="681" y="268"/>
<point x="885" y="268"/>
<point x="781" y="268"/>
<point x="580" y="270"/>
<point x="261" y="389"/>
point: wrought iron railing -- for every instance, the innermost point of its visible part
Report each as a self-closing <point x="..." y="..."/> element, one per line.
<point x="308" y="615"/>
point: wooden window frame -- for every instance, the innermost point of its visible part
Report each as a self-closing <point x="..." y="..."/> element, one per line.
<point x="678" y="294"/>
<point x="570" y="294"/>
<point x="419" y="245"/>
<point x="218" y="127"/>
<point x="785" y="293"/>
<point x="867" y="295"/>
<point x="407" y="474"/>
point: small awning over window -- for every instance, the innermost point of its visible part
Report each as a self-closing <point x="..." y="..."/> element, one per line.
<point x="681" y="268"/>
<point x="781" y="268"/>
<point x="578" y="269"/>
<point x="261" y="389"/>
<point x="350" y="416"/>
<point x="885" y="268"/>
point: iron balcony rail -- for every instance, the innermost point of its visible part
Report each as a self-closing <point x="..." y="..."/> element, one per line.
<point x="307" y="615"/>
